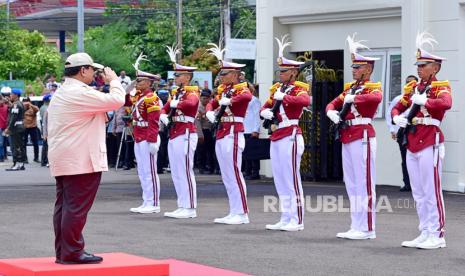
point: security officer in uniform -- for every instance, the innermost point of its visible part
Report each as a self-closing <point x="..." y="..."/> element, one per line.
<point x="16" y="131"/>
<point x="145" y="114"/>
<point x="183" y="138"/>
<point x="425" y="147"/>
<point x="287" y="143"/>
<point x="359" y="143"/>
<point x="234" y="96"/>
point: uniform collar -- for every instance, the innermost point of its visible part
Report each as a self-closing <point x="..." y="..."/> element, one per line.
<point x="423" y="84"/>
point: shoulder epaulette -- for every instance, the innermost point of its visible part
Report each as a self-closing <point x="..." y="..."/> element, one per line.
<point x="174" y="91"/>
<point x="241" y="85"/>
<point x="347" y="85"/>
<point x="220" y="89"/>
<point x="373" y="85"/>
<point x="408" y="88"/>
<point x="191" y="88"/>
<point x="275" y="87"/>
<point x="150" y="98"/>
<point x="302" y="85"/>
<point x="439" y="83"/>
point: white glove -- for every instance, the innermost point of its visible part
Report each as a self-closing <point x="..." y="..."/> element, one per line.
<point x="211" y="116"/>
<point x="279" y="96"/>
<point x="225" y="101"/>
<point x="400" y="120"/>
<point x="153" y="148"/>
<point x="349" y="98"/>
<point x="164" y="119"/>
<point x="267" y="114"/>
<point x="333" y="115"/>
<point x="174" y="103"/>
<point x="419" y="99"/>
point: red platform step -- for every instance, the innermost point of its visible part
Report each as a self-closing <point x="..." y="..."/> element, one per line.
<point x="114" y="264"/>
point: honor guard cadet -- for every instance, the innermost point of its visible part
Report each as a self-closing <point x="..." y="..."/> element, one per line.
<point x="145" y="115"/>
<point x="180" y="111"/>
<point x="287" y="143"/>
<point x="16" y="131"/>
<point x="227" y="111"/>
<point x="428" y="102"/>
<point x="359" y="102"/>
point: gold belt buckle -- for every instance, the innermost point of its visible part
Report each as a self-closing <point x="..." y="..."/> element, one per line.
<point x="415" y="121"/>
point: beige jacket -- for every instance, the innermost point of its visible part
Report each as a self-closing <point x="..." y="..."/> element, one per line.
<point x="76" y="127"/>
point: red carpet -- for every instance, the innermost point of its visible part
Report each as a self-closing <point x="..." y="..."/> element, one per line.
<point x="114" y="264"/>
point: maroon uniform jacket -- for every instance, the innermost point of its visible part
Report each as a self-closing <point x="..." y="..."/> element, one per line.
<point x="439" y="100"/>
<point x="187" y="107"/>
<point x="366" y="102"/>
<point x="145" y="115"/>
<point x="293" y="103"/>
<point x="240" y="99"/>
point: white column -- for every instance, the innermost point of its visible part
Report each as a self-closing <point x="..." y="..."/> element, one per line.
<point x="413" y="21"/>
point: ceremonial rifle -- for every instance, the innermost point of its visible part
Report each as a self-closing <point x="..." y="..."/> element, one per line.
<point x="345" y="110"/>
<point x="267" y="123"/>
<point x="220" y="113"/>
<point x="173" y="110"/>
<point x="403" y="132"/>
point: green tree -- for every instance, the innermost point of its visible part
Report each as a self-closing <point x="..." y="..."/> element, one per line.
<point x="26" y="53"/>
<point x="151" y="25"/>
<point x="110" y="45"/>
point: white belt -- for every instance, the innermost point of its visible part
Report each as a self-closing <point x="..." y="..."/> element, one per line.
<point x="287" y="123"/>
<point x="140" y="124"/>
<point x="358" y="121"/>
<point x="427" y="121"/>
<point x="183" y="119"/>
<point x="18" y="123"/>
<point x="232" y="119"/>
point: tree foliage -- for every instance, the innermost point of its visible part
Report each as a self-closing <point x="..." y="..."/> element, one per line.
<point x="151" y="25"/>
<point x="25" y="53"/>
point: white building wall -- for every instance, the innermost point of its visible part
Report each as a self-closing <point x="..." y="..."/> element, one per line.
<point x="323" y="25"/>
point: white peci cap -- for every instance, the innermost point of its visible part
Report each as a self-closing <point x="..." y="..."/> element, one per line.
<point x="81" y="59"/>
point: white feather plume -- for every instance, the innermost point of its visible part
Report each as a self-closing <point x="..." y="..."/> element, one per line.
<point x="172" y="52"/>
<point x="216" y="51"/>
<point x="138" y="60"/>
<point x="425" y="38"/>
<point x="355" y="45"/>
<point x="282" y="44"/>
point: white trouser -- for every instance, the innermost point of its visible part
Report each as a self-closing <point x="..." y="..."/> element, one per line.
<point x="181" y="155"/>
<point x="358" y="163"/>
<point x="285" y="156"/>
<point x="229" y="154"/>
<point x="147" y="170"/>
<point x="425" y="179"/>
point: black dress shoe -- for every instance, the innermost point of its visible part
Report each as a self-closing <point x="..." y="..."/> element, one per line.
<point x="85" y="258"/>
<point x="405" y="189"/>
<point x="126" y="168"/>
<point x="36" y="160"/>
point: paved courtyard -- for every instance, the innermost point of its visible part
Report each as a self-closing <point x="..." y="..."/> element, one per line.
<point x="27" y="198"/>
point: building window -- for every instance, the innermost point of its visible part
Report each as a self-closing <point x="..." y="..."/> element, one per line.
<point x="387" y="70"/>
